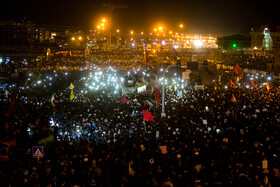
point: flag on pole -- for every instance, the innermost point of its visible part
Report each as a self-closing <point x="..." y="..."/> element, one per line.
<point x="11" y="105"/>
<point x="148" y="116"/>
<point x="149" y="103"/>
<point x="12" y="101"/>
<point x="156" y="94"/>
<point x="52" y="100"/>
<point x="238" y="70"/>
<point x="252" y="82"/>
<point x="72" y="86"/>
<point x="233" y="99"/>
<point x="72" y="96"/>
<point x="267" y="85"/>
<point x="124" y="100"/>
<point x="233" y="85"/>
<point x="133" y="113"/>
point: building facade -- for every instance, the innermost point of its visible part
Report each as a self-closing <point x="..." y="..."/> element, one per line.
<point x="17" y="35"/>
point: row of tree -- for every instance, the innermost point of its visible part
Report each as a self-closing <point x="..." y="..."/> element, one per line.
<point x="234" y="42"/>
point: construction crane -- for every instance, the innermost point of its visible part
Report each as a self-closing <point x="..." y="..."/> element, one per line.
<point x="112" y="6"/>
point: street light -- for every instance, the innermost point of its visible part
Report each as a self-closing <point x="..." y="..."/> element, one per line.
<point x="163" y="114"/>
<point x="181" y="25"/>
<point x="103" y="20"/>
<point x="163" y="85"/>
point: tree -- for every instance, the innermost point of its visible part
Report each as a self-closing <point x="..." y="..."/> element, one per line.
<point x="234" y="42"/>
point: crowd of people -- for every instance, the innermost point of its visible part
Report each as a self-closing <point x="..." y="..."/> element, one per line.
<point x="249" y="61"/>
<point x="101" y="139"/>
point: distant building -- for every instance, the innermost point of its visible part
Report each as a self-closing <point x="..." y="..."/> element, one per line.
<point x="15" y="35"/>
<point x="25" y="40"/>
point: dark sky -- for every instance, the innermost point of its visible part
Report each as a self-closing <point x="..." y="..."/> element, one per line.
<point x="201" y="16"/>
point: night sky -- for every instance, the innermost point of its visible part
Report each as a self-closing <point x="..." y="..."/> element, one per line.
<point x="198" y="16"/>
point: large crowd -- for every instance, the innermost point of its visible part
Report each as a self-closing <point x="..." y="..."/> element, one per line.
<point x="96" y="139"/>
<point x="249" y="61"/>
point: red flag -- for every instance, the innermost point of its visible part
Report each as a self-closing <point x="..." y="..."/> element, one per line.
<point x="233" y="85"/>
<point x="11" y="106"/>
<point x="238" y="71"/>
<point x="12" y="101"/>
<point x="233" y="99"/>
<point x="267" y="85"/>
<point x="148" y="116"/>
<point x="124" y="100"/>
<point x="157" y="95"/>
<point x="252" y="82"/>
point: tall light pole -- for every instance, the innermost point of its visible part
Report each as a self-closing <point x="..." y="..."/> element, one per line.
<point x="163" y="114"/>
<point x="112" y="6"/>
<point x="163" y="84"/>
